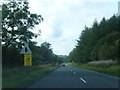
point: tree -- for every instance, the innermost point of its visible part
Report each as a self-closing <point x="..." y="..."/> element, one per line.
<point x="46" y="51"/>
<point x="42" y="54"/>
<point x="16" y="22"/>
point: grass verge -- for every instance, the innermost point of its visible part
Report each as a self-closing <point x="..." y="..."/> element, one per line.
<point x="111" y="70"/>
<point x="22" y="77"/>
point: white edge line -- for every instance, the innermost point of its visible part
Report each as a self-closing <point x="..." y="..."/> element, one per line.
<point x="83" y="80"/>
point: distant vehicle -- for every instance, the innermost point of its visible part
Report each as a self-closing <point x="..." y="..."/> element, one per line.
<point x="63" y="64"/>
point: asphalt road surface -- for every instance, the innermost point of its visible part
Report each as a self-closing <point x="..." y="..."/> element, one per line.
<point x="72" y="77"/>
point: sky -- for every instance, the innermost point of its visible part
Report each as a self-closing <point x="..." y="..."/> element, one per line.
<point x="64" y="20"/>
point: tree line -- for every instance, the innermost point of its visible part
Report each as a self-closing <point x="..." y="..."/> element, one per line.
<point x="101" y="41"/>
<point x="17" y="21"/>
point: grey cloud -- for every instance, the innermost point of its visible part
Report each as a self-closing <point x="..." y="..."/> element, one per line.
<point x="57" y="33"/>
<point x="57" y="30"/>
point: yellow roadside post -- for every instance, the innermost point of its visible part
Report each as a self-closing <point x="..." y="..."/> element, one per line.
<point x="27" y="56"/>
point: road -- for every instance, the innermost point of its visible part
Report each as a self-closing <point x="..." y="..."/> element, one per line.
<point x="72" y="77"/>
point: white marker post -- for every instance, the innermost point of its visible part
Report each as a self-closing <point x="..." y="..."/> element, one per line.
<point x="119" y="8"/>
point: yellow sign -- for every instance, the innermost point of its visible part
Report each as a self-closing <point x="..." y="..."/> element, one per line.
<point x="27" y="59"/>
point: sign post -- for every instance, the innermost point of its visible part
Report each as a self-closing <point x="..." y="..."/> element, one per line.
<point x="27" y="59"/>
<point x="27" y="55"/>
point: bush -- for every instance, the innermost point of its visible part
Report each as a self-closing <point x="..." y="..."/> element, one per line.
<point x="11" y="57"/>
<point x="103" y="64"/>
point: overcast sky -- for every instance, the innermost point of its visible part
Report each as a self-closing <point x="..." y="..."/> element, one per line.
<point x="65" y="19"/>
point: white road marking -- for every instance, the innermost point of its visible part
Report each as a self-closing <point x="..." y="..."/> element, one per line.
<point x="83" y="80"/>
<point x="74" y="72"/>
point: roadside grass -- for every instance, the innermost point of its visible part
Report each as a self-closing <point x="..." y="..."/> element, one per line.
<point x="112" y="69"/>
<point x="22" y="77"/>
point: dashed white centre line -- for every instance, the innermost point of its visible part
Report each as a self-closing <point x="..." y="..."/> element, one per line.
<point x="83" y="80"/>
<point x="74" y="72"/>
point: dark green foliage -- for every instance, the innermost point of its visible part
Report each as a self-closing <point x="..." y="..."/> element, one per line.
<point x="106" y="47"/>
<point x="11" y="56"/>
<point x="99" y="42"/>
<point x="43" y="54"/>
<point x="64" y="58"/>
<point x="40" y="55"/>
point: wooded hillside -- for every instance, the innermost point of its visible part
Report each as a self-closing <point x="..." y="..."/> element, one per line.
<point x="101" y="41"/>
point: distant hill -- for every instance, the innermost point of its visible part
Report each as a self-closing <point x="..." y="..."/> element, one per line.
<point x="63" y="58"/>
